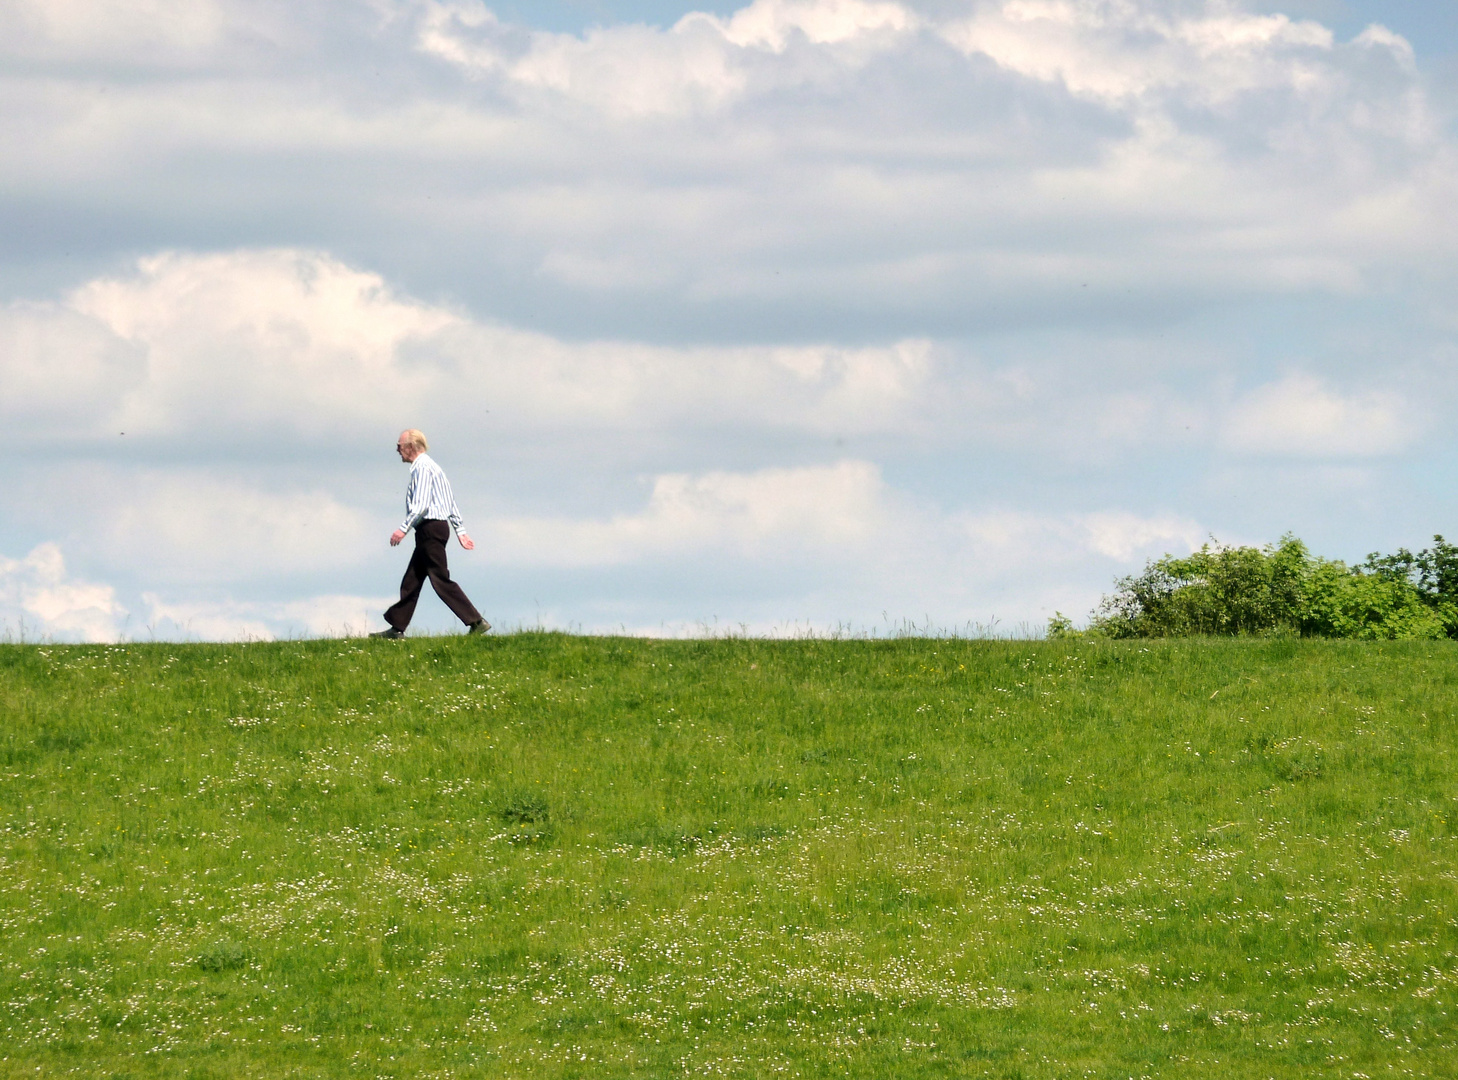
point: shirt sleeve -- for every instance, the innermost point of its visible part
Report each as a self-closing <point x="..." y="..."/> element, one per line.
<point x="448" y="498"/>
<point x="416" y="496"/>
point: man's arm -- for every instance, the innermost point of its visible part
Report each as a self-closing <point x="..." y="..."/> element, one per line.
<point x="460" y="526"/>
<point x="414" y="508"/>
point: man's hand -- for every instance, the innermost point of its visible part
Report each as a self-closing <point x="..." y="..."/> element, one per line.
<point x="396" y="537"/>
<point x="466" y="541"/>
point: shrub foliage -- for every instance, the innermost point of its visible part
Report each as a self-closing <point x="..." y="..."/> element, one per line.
<point x="1282" y="589"/>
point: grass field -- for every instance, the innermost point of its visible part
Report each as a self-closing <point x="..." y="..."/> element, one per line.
<point x="550" y="856"/>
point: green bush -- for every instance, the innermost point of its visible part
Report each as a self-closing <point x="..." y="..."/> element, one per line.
<point x="1342" y="602"/>
<point x="1283" y="589"/>
<point x="1060" y="628"/>
<point x="1433" y="572"/>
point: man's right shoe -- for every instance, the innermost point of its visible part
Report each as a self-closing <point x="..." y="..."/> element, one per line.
<point x="480" y="626"/>
<point x="391" y="633"/>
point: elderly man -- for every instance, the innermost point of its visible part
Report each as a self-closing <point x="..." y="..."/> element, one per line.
<point x="430" y="509"/>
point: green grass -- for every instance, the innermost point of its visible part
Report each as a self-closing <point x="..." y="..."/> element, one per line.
<point x="550" y="856"/>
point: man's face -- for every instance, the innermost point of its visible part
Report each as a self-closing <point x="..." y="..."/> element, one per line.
<point x="404" y="449"/>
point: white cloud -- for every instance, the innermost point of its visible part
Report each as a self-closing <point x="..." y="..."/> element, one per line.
<point x="1301" y="415"/>
<point x="634" y="71"/>
<point x="138" y="33"/>
<point x="1109" y="51"/>
<point x="277" y="335"/>
<point x="60" y="372"/>
<point x="1378" y="36"/>
<point x="832" y="164"/>
<point x="1009" y="540"/>
<point x="769" y="24"/>
<point x="630" y="71"/>
<point x="770" y="514"/>
<point x="39" y="598"/>
<point x="232" y="620"/>
<point x="781" y="550"/>
<point x="1112" y="50"/>
<point x="189" y="525"/>
<point x="839" y="535"/>
<point x="117" y="27"/>
<point x="1122" y="536"/>
<point x="297" y="348"/>
<point x="1122" y="54"/>
<point x="817" y="547"/>
<point x="295" y="345"/>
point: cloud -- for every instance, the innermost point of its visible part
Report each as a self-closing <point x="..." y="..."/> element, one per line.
<point x="61" y="373"/>
<point x="279" y="333"/>
<point x="295" y="345"/>
<point x="138" y="34"/>
<point x="232" y="620"/>
<point x="703" y="62"/>
<point x="1123" y="536"/>
<point x="192" y="526"/>
<point x="814" y="538"/>
<point x="39" y="598"/>
<point x="1112" y="52"/>
<point x="770" y="24"/>
<point x="822" y="170"/>
<point x="118" y="27"/>
<point x="772" y="513"/>
<point x="1016" y="543"/>
<point x="1302" y="416"/>
<point x="624" y="71"/>
<point x="782" y="549"/>
<point x="1115" y="50"/>
<point x="283" y="349"/>
<point x="1187" y="149"/>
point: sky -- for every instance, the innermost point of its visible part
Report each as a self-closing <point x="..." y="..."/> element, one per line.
<point x="776" y="317"/>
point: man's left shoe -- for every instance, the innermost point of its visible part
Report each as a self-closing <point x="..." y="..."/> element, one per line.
<point x="391" y="633"/>
<point x="480" y="626"/>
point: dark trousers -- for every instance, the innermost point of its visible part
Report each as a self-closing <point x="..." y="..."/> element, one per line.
<point x="429" y="561"/>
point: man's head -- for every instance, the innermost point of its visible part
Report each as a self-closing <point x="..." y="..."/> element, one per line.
<point x="411" y="444"/>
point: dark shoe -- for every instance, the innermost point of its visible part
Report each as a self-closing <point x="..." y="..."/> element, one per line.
<point x="391" y="633"/>
<point x="480" y="626"/>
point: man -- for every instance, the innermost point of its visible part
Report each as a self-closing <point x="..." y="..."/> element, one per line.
<point x="430" y="509"/>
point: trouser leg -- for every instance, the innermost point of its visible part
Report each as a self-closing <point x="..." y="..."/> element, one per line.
<point x="400" y="613"/>
<point x="451" y="594"/>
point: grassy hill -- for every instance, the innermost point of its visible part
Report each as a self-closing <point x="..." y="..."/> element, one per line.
<point x="548" y="856"/>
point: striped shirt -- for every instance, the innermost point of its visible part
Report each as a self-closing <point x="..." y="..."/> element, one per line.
<point x="429" y="496"/>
